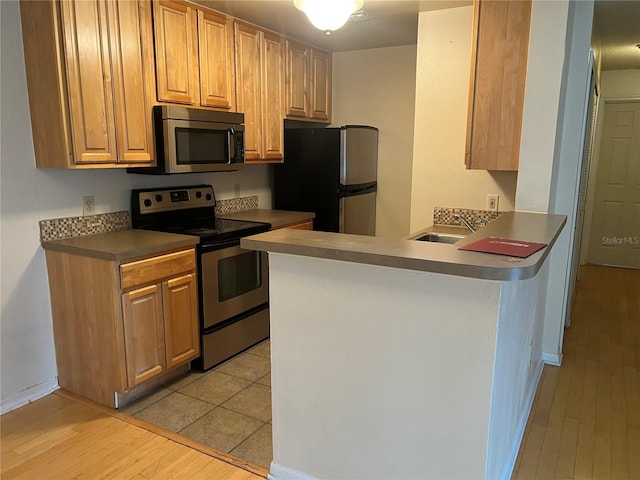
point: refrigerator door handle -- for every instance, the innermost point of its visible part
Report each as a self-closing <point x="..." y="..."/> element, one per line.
<point x="360" y="189"/>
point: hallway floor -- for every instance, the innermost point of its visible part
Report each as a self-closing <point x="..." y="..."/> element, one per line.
<point x="227" y="408"/>
<point x="585" y="421"/>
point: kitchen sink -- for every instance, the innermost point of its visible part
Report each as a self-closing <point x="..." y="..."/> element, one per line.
<point x="440" y="237"/>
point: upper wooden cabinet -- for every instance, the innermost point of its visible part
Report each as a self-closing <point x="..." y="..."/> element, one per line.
<point x="259" y="81"/>
<point x="95" y="68"/>
<point x="176" y="40"/>
<point x="308" y="83"/>
<point x="272" y="101"/>
<point x="498" y="75"/>
<point x="216" y="55"/>
<point x="320" y="85"/>
<point x="297" y="80"/>
<point x="248" y="85"/>
<point x="194" y="55"/>
<point x="90" y="78"/>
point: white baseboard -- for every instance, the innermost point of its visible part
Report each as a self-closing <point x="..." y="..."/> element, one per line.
<point x="280" y="472"/>
<point x="522" y="425"/>
<point x="28" y="395"/>
<point x="552" y="359"/>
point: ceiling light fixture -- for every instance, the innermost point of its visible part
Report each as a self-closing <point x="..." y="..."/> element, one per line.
<point x="328" y="15"/>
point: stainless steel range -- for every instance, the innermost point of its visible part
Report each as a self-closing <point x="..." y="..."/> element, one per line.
<point x="232" y="282"/>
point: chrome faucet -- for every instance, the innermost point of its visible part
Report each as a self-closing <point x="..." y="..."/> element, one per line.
<point x="481" y="220"/>
<point x="461" y="219"/>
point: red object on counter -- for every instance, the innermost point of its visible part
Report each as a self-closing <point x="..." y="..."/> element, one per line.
<point x="504" y="246"/>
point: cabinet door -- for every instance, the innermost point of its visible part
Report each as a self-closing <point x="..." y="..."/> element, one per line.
<point x="89" y="81"/>
<point x="248" y="88"/>
<point x="320" y="85"/>
<point x="217" y="69"/>
<point x="181" y="319"/>
<point x="176" y="40"/>
<point x="272" y="96"/>
<point x="133" y="78"/>
<point x="498" y="77"/>
<point x="297" y="80"/>
<point x="143" y="334"/>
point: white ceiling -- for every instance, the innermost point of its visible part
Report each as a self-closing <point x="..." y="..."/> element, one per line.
<point x="395" y="22"/>
<point x="388" y="23"/>
<point x="617" y="26"/>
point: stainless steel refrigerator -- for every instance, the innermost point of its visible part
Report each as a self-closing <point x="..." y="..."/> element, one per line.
<point x="332" y="172"/>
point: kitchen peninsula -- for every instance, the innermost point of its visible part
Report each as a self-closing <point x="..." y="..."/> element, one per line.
<point x="403" y="359"/>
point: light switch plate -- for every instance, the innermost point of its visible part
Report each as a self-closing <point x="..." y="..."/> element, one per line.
<point x="492" y="202"/>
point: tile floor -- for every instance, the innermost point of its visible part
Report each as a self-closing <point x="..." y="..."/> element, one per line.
<point x="227" y="408"/>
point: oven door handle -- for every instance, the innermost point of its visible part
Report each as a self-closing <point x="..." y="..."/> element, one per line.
<point x="219" y="246"/>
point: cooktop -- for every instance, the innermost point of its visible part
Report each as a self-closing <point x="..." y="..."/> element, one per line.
<point x="187" y="210"/>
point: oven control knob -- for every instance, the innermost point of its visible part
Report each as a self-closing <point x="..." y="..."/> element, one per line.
<point x="208" y="196"/>
<point x="147" y="202"/>
<point x="198" y="194"/>
<point x="158" y="198"/>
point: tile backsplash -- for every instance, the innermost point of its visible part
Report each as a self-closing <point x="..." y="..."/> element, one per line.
<point x="444" y="216"/>
<point x="59" y="228"/>
<point x="235" y="205"/>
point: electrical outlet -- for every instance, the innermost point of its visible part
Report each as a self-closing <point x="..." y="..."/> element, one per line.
<point x="492" y="202"/>
<point x="88" y="206"/>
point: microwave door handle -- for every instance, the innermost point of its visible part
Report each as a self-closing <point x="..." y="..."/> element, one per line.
<point x="231" y="145"/>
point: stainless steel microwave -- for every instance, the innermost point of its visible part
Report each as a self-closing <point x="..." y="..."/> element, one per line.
<point x="190" y="140"/>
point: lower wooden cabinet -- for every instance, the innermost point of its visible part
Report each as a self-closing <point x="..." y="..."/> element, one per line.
<point x="119" y="325"/>
<point x="306" y="225"/>
<point x="180" y="301"/>
<point x="143" y="334"/>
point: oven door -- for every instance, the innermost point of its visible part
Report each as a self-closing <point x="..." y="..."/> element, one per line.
<point x="195" y="146"/>
<point x="234" y="280"/>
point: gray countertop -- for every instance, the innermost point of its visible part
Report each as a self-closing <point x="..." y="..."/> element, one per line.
<point x="425" y="256"/>
<point x="122" y="244"/>
<point x="277" y="218"/>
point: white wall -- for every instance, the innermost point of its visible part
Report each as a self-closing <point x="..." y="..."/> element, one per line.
<point x="422" y="375"/>
<point x="29" y="195"/>
<point x="397" y="386"/>
<point x="620" y="83"/>
<point x="442" y="91"/>
<point x="377" y="87"/>
<point x="541" y="103"/>
<point x="566" y="170"/>
<point x="517" y="369"/>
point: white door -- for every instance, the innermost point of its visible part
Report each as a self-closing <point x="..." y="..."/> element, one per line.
<point x="615" y="231"/>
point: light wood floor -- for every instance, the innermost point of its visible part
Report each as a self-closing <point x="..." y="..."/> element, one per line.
<point x="585" y="422"/>
<point x="63" y="437"/>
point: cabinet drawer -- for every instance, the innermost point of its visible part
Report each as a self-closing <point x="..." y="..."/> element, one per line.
<point x="149" y="270"/>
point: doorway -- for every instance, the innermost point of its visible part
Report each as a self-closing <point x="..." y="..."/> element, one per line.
<point x="614" y="234"/>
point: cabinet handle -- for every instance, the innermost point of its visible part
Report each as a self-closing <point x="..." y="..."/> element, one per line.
<point x="141" y="292"/>
<point x="180" y="280"/>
